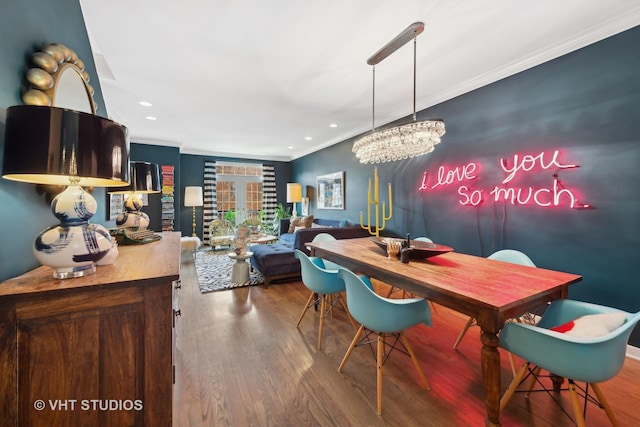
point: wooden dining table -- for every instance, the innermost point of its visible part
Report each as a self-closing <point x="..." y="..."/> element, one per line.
<point x="491" y="291"/>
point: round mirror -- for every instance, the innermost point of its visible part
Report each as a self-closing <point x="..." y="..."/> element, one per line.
<point x="71" y="91"/>
<point x="58" y="79"/>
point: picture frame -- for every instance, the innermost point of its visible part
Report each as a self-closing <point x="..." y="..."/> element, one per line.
<point x="305" y="206"/>
<point x="330" y="191"/>
<point x="116" y="205"/>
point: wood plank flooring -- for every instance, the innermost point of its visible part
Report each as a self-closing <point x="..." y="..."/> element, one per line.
<point x="241" y="361"/>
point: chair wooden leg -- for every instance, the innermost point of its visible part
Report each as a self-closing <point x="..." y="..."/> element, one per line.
<point x="464" y="331"/>
<point x="605" y="404"/>
<point x="380" y="358"/>
<point x="330" y="300"/>
<point x="513" y="386"/>
<point x="532" y="382"/>
<point x="305" y="308"/>
<point x="415" y="360"/>
<point x="323" y="308"/>
<point x="513" y="364"/>
<point x="351" y="347"/>
<point x="575" y="402"/>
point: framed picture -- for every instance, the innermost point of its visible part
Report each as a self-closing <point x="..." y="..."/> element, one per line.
<point x="330" y="191"/>
<point x="305" y="206"/>
<point x="116" y="205"/>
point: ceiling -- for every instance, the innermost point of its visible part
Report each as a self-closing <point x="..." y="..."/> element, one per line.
<point x="253" y="79"/>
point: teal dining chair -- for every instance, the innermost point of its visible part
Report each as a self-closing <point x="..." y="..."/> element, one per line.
<point x="505" y="255"/>
<point x="591" y="355"/>
<point x="386" y="319"/>
<point x="326" y="288"/>
<point x="326" y="237"/>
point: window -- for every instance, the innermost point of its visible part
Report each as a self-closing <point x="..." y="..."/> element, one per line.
<point x="239" y="191"/>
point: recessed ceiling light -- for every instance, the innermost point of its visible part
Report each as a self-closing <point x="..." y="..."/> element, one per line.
<point x="308" y="138"/>
<point x="333" y="125"/>
<point x="151" y="118"/>
<point x="145" y="103"/>
<point x="290" y="147"/>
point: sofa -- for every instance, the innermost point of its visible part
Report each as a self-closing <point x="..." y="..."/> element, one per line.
<point x="276" y="261"/>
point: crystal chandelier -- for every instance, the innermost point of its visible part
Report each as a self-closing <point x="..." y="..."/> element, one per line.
<point x="404" y="141"/>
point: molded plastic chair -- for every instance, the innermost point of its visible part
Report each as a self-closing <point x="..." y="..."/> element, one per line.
<point x="326" y="237"/>
<point x="506" y="255"/>
<point x="586" y="359"/>
<point x="385" y="318"/>
<point x="325" y="286"/>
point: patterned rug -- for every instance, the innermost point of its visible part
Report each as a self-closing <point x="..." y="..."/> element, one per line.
<point x="214" y="272"/>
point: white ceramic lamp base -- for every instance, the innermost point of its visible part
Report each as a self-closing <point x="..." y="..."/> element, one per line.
<point x="74" y="246"/>
<point x="133" y="217"/>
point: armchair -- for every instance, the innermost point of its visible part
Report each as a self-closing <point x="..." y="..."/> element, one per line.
<point x="221" y="233"/>
<point x="384" y="318"/>
<point x="325" y="286"/>
<point x="586" y="357"/>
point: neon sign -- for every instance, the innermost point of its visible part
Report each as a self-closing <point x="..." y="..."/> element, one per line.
<point x="528" y="162"/>
<point x="449" y="176"/>
<point x="553" y="195"/>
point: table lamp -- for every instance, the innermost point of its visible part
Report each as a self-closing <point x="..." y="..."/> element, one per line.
<point x="294" y="195"/>
<point x="193" y="198"/>
<point x="145" y="179"/>
<point x="56" y="146"/>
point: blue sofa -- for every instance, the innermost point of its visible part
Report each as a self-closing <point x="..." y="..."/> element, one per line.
<point x="277" y="261"/>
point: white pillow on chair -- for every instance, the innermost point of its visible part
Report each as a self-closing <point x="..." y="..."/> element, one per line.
<point x="592" y="325"/>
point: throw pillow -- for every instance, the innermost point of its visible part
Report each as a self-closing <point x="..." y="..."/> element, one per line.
<point x="300" y="221"/>
<point x="592" y="325"/>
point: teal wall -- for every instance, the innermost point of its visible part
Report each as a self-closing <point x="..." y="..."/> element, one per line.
<point x="585" y="104"/>
<point x="25" y="25"/>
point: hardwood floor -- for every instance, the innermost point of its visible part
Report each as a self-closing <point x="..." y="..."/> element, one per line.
<point x="241" y="361"/>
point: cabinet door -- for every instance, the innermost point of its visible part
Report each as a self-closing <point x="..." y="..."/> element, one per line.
<point x="81" y="360"/>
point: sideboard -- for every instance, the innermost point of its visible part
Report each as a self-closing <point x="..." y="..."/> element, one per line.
<point x="94" y="350"/>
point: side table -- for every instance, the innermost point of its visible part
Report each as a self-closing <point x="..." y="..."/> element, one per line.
<point x="240" y="270"/>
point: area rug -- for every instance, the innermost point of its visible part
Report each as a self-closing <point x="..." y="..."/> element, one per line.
<point x="214" y="272"/>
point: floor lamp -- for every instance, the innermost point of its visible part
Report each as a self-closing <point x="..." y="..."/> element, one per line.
<point x="294" y="195"/>
<point x="193" y="198"/>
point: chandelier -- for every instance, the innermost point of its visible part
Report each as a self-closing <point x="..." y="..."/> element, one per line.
<point x="404" y="141"/>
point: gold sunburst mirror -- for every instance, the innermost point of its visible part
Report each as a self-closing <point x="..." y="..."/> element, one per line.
<point x="57" y="78"/>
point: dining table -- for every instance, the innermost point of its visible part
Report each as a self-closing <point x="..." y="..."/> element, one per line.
<point x="490" y="291"/>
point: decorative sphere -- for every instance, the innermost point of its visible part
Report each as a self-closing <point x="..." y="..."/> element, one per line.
<point x="74" y="205"/>
<point x="72" y="248"/>
<point x="133" y="203"/>
<point x="133" y="219"/>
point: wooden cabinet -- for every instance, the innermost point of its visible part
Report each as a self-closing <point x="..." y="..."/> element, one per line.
<point x="95" y="350"/>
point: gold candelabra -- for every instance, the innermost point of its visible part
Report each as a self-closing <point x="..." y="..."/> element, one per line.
<point x="380" y="214"/>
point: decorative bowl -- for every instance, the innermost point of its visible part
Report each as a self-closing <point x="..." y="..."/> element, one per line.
<point x="419" y="249"/>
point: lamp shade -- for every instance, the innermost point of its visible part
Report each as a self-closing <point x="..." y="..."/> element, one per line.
<point x="193" y="196"/>
<point x="145" y="178"/>
<point x="48" y="145"/>
<point x="294" y="192"/>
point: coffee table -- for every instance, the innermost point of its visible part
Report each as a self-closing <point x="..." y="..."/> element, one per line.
<point x="240" y="270"/>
